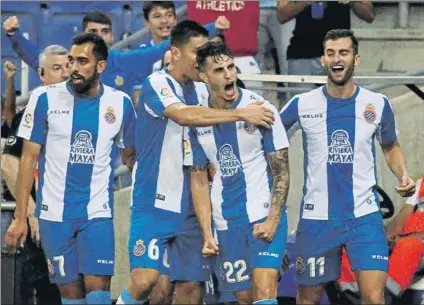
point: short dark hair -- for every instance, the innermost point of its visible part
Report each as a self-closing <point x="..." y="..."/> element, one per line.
<point x="185" y="30"/>
<point x="211" y="49"/>
<point x="100" y="50"/>
<point x="96" y="17"/>
<point x="342" y="33"/>
<point x="149" y="5"/>
<point x="222" y="37"/>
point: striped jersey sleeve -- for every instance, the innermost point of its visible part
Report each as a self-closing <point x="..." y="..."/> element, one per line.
<point x="33" y="125"/>
<point x="158" y="93"/>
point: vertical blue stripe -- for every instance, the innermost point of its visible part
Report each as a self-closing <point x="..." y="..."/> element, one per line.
<point x="85" y="122"/>
<point x="305" y="169"/>
<point x="374" y="190"/>
<point x="341" y="127"/>
<point x="41" y="171"/>
<point x="233" y="187"/>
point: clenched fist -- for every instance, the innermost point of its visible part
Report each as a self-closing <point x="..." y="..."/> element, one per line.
<point x="9" y="70"/>
<point x="222" y="23"/>
<point x="11" y="25"/>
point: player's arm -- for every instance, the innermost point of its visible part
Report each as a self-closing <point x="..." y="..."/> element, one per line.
<point x="10" y="98"/>
<point x="289" y="116"/>
<point x="393" y="153"/>
<point x="287" y="10"/>
<point x="203" y="116"/>
<point x="275" y="145"/>
<point x="26" y="50"/>
<point x="160" y="101"/>
<point x="364" y="10"/>
<point x="396" y="225"/>
<point x="32" y="129"/>
<point x="126" y="137"/>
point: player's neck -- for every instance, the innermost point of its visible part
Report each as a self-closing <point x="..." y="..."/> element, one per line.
<point x="342" y="92"/>
<point x="220" y="103"/>
<point x="177" y="74"/>
<point x="92" y="92"/>
<point x="157" y="39"/>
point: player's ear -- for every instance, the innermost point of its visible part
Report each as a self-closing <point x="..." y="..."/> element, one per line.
<point x="322" y="61"/>
<point x="175" y="53"/>
<point x="101" y="66"/>
<point x="357" y="60"/>
<point x="40" y="72"/>
<point x="203" y="77"/>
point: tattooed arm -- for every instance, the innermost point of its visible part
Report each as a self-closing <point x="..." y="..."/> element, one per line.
<point x="279" y="163"/>
<point x="202" y="207"/>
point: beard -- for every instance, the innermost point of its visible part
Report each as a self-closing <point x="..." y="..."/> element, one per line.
<point x="348" y="74"/>
<point x="86" y="84"/>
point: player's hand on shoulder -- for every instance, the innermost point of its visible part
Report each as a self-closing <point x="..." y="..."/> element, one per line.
<point x="406" y="187"/>
<point x="265" y="230"/>
<point x="258" y="114"/>
<point x="11" y="25"/>
<point x="210" y="247"/>
<point x="16" y="233"/>
<point x="222" y="23"/>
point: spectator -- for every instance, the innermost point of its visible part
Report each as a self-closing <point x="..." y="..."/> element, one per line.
<point x="242" y="37"/>
<point x="160" y="19"/>
<point x="313" y="21"/>
<point x="271" y="32"/>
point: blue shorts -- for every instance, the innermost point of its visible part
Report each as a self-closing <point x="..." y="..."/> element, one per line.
<point x="214" y="287"/>
<point x="240" y="252"/>
<point x="151" y="245"/>
<point x="78" y="248"/>
<point x="319" y="247"/>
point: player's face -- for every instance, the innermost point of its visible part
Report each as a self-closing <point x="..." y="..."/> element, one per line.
<point x="56" y="69"/>
<point x="161" y="22"/>
<point x="85" y="69"/>
<point x="103" y="30"/>
<point x="339" y="60"/>
<point x="185" y="56"/>
<point x="221" y="75"/>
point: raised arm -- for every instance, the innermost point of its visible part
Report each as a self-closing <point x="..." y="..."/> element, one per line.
<point x="364" y="10"/>
<point x="26" y="50"/>
<point x="10" y="99"/>
<point x="287" y="10"/>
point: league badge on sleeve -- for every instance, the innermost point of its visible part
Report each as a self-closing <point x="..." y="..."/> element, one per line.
<point x="139" y="248"/>
<point x="369" y="113"/>
<point x="165" y="92"/>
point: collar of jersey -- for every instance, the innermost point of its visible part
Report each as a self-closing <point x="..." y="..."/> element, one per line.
<point x="233" y="105"/>
<point x="336" y="99"/>
<point x="68" y="86"/>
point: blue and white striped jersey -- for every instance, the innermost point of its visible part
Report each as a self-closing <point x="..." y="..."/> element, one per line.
<point x="339" y="153"/>
<point x="241" y="188"/>
<point x="75" y="169"/>
<point x="161" y="185"/>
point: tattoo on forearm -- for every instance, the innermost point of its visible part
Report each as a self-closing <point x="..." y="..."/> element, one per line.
<point x="280" y="168"/>
<point x="199" y="168"/>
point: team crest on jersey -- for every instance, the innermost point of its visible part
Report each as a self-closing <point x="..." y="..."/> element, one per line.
<point x="110" y="116"/>
<point x="119" y="80"/>
<point x="249" y="128"/>
<point x="51" y="268"/>
<point x="82" y="150"/>
<point x="299" y="265"/>
<point x="139" y="248"/>
<point x="369" y="113"/>
<point x="340" y="149"/>
<point x="228" y="162"/>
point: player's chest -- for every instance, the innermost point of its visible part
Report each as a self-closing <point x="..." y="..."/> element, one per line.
<point x="84" y="119"/>
<point x="339" y="122"/>
<point x="230" y="141"/>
